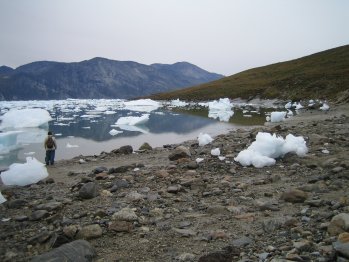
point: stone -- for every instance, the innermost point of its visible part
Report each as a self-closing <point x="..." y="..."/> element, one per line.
<point x="40" y="238"/>
<point x="294" y="196"/>
<point x="125" y="214"/>
<point x="16" y="203"/>
<point x="338" y="224"/>
<point x="77" y="251"/>
<point x="50" y="206"/>
<point x="217" y="210"/>
<point x="71" y="230"/>
<point x="242" y="242"/>
<point x="185" y="232"/>
<point x="186" y="257"/>
<point x="89" y="232"/>
<point x="179" y="152"/>
<point x="342" y="245"/>
<point x="125" y="150"/>
<point x="101" y="176"/>
<point x="174" y="189"/>
<point x="38" y="214"/>
<point x="145" y="147"/>
<point x="228" y="254"/>
<point x="120" y="226"/>
<point x="99" y="169"/>
<point x="88" y="190"/>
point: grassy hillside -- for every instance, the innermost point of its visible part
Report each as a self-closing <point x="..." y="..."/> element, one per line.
<point x="321" y="75"/>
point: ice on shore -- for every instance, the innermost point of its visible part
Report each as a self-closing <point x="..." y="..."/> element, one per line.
<point x="132" y="120"/>
<point x="142" y="105"/>
<point x="324" y="107"/>
<point x="267" y="148"/>
<point x="215" y="152"/>
<point x="277" y="116"/>
<point x="2" y="199"/>
<point x="21" y="118"/>
<point x="220" y="109"/>
<point x="24" y="174"/>
<point x="71" y="146"/>
<point x="204" y="139"/>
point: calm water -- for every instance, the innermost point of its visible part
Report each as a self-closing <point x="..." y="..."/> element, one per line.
<point x="80" y="129"/>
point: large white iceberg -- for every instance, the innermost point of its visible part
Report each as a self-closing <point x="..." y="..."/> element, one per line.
<point x="20" y="118"/>
<point x="132" y="120"/>
<point x="220" y="109"/>
<point x="267" y="148"/>
<point x="142" y="105"/>
<point x="24" y="174"/>
<point x="178" y="103"/>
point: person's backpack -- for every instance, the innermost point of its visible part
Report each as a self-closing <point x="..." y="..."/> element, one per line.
<point x="50" y="143"/>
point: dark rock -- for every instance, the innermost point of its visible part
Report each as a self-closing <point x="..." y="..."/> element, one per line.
<point x="179" y="152"/>
<point x="76" y="251"/>
<point x="294" y="196"/>
<point x="16" y="203"/>
<point x="88" y="191"/>
<point x="120" y="169"/>
<point x="242" y="242"/>
<point x="38" y="214"/>
<point x="49" y="206"/>
<point x="99" y="169"/>
<point x="120" y="226"/>
<point x="125" y="150"/>
<point x="145" y="147"/>
<point x="228" y="254"/>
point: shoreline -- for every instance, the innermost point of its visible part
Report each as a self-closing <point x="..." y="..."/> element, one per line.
<point x="178" y="210"/>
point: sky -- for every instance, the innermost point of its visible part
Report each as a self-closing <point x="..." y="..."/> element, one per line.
<point x="221" y="36"/>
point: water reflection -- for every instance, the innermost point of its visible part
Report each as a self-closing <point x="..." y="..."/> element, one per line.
<point x="86" y="131"/>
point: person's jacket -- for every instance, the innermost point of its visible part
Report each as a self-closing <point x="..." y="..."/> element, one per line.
<point x="54" y="143"/>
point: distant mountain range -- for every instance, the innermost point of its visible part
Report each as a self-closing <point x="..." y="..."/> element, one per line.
<point x="324" y="75"/>
<point x="97" y="78"/>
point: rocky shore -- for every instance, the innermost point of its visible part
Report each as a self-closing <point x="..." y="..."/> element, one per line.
<point x="161" y="205"/>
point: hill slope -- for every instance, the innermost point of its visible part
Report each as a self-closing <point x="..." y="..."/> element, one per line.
<point x="321" y="75"/>
<point x="97" y="78"/>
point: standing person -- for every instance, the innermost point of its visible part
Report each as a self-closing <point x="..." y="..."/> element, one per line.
<point x="50" y="147"/>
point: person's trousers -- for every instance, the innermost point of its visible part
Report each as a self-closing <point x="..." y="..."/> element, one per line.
<point x="50" y="157"/>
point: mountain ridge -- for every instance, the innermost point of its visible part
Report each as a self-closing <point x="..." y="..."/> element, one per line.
<point x="97" y="78"/>
<point x="321" y="75"/>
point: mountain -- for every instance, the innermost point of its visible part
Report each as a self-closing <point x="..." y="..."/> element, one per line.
<point x="323" y="75"/>
<point x="97" y="78"/>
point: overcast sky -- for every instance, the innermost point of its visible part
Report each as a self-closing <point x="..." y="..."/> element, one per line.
<point x="221" y="36"/>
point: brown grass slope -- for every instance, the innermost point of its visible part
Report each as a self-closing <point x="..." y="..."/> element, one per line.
<point x="323" y="75"/>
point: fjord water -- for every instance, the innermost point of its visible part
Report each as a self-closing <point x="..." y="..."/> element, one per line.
<point x="84" y="129"/>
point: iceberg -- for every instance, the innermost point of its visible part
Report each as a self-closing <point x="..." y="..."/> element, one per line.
<point x="132" y="120"/>
<point x="114" y="132"/>
<point x="220" y="109"/>
<point x="267" y="148"/>
<point x="142" y="105"/>
<point x="215" y="152"/>
<point x="324" y="107"/>
<point x="24" y="174"/>
<point x="20" y="118"/>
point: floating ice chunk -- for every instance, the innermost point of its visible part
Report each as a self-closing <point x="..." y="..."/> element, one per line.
<point x="220" y="109"/>
<point x="86" y="127"/>
<point x="204" y="139"/>
<point x="142" y="105"/>
<point x="215" y="152"/>
<point x="267" y="147"/>
<point x="277" y="116"/>
<point x="71" y="146"/>
<point x="15" y="119"/>
<point x="8" y="141"/>
<point x="289" y="113"/>
<point x="178" y="103"/>
<point x="109" y="112"/>
<point x="132" y="120"/>
<point x="114" y="132"/>
<point x="325" y="107"/>
<point x="24" y="174"/>
<point x="199" y="159"/>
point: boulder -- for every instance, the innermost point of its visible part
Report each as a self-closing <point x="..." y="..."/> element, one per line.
<point x="339" y="224"/>
<point x="76" y="251"/>
<point x="179" y="152"/>
<point x="88" y="190"/>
